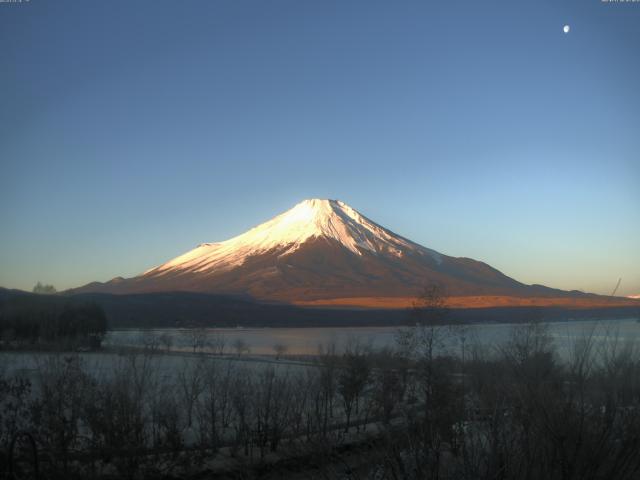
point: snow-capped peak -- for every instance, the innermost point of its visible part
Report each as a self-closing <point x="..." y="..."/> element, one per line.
<point x="314" y="218"/>
<point x="324" y="218"/>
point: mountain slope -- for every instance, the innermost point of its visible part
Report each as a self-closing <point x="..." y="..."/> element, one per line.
<point x="321" y="250"/>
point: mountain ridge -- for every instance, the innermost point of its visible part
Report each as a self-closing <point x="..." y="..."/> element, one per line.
<point x="322" y="251"/>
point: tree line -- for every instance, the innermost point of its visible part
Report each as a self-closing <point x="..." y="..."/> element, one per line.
<point x="48" y="320"/>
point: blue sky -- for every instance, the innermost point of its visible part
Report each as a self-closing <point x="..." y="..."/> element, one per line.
<point x="133" y="130"/>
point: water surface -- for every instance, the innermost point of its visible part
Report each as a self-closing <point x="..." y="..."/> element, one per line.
<point x="306" y="341"/>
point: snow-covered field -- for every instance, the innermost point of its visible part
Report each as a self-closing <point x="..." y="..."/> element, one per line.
<point x="103" y="365"/>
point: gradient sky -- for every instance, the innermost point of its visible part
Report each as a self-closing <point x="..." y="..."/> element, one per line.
<point x="130" y="131"/>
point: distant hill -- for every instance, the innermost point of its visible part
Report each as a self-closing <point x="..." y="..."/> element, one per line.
<point x="188" y="309"/>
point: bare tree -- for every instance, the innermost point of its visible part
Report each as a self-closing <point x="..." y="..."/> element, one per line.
<point x="429" y="312"/>
<point x="15" y="396"/>
<point x="425" y="344"/>
<point x="117" y="414"/>
<point x="271" y="406"/>
<point x="353" y="377"/>
<point x="150" y="342"/>
<point x="240" y="346"/>
<point x="191" y="384"/>
<point x="57" y="411"/>
<point x="219" y="343"/>
<point x="241" y="391"/>
<point x="280" y="349"/>
<point x="196" y="338"/>
<point x="302" y="386"/>
<point x="327" y="383"/>
<point x="214" y="405"/>
<point x="166" y="340"/>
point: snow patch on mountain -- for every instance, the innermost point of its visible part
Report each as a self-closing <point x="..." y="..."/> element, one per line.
<point x="315" y="218"/>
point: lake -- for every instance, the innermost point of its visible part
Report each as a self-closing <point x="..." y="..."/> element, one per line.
<point x="305" y="341"/>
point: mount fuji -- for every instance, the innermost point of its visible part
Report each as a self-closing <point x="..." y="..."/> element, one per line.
<point x="324" y="252"/>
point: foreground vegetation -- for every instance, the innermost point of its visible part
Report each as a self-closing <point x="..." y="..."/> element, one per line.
<point x="405" y="413"/>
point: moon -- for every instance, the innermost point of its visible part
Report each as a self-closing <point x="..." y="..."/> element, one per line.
<point x="566" y="29"/>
